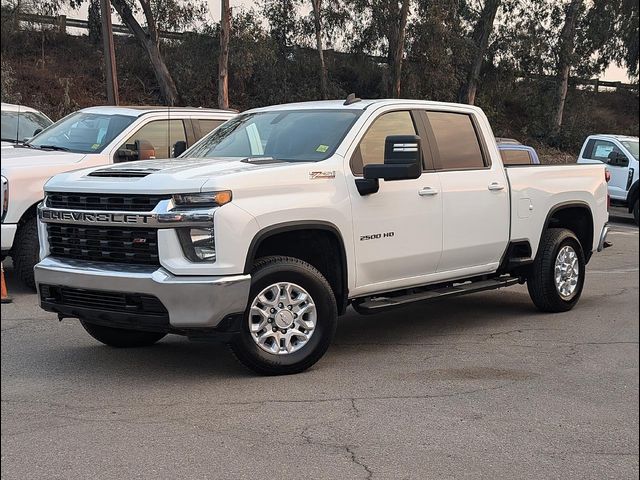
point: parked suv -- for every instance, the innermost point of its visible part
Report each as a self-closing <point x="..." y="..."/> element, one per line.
<point x="620" y="154"/>
<point x="89" y="137"/>
<point x="274" y="223"/>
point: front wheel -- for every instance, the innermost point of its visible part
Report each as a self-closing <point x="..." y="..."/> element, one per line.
<point x="290" y="319"/>
<point x="26" y="251"/>
<point x="120" y="337"/>
<point x="557" y="277"/>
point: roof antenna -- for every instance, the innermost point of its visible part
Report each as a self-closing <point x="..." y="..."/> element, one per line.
<point x="351" y="98"/>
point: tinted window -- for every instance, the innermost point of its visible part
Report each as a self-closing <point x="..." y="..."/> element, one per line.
<point x="601" y="150"/>
<point x="515" y="157"/>
<point x="206" y="126"/>
<point x="293" y="136"/>
<point x="83" y="132"/>
<point x="18" y="126"/>
<point x="456" y="140"/>
<point x="371" y="148"/>
<point x="162" y="134"/>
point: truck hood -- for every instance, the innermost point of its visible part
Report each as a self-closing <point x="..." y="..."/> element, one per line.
<point x="179" y="175"/>
<point x="28" y="158"/>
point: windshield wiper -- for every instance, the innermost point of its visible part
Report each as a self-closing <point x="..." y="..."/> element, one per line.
<point x="53" y="147"/>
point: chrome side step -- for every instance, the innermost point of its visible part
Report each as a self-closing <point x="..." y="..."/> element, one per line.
<point x="375" y="304"/>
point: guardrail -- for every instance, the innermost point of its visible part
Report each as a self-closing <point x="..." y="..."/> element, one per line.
<point x="62" y="22"/>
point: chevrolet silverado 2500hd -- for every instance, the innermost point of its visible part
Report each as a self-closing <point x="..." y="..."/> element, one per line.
<point x="89" y="137"/>
<point x="273" y="224"/>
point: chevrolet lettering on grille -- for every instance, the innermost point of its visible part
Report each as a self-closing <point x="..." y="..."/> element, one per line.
<point x="47" y="215"/>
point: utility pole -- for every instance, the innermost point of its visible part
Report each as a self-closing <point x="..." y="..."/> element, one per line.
<point x="109" y="53"/>
<point x="223" y="59"/>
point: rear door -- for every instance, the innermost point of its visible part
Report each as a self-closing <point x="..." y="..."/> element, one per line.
<point x="475" y="194"/>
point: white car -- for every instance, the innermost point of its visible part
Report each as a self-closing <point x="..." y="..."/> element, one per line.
<point x="273" y="224"/>
<point x="620" y="154"/>
<point x="89" y="137"/>
<point x="19" y="123"/>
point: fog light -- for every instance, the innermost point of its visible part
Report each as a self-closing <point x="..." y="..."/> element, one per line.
<point x="198" y="244"/>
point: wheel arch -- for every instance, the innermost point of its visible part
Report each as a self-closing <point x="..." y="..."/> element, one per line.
<point x="632" y="196"/>
<point x="263" y="243"/>
<point x="575" y="216"/>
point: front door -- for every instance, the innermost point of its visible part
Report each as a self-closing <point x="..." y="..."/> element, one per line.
<point x="397" y="231"/>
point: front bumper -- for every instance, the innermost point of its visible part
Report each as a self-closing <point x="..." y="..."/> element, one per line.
<point x="8" y="234"/>
<point x="191" y="301"/>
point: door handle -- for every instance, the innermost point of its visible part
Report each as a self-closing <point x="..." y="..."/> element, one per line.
<point x="427" y="192"/>
<point x="495" y="186"/>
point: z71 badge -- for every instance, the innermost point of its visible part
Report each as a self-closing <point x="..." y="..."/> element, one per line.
<point x="377" y="236"/>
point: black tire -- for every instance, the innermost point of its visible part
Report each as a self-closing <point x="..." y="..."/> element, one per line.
<point x="26" y="252"/>
<point x="541" y="283"/>
<point x="120" y="337"/>
<point x="266" y="272"/>
<point x="636" y="213"/>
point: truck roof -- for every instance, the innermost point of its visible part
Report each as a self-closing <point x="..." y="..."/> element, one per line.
<point x="138" y="111"/>
<point x="613" y="136"/>
<point x="360" y="104"/>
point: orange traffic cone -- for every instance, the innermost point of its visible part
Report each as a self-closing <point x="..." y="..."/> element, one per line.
<point x="5" y="296"/>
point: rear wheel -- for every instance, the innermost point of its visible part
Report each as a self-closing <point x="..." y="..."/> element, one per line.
<point x="120" y="337"/>
<point x="636" y="213"/>
<point x="557" y="279"/>
<point x="290" y="320"/>
<point x="25" y="253"/>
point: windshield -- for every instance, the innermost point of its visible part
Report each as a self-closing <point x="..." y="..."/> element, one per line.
<point x="18" y="126"/>
<point x="291" y="136"/>
<point x="82" y="132"/>
<point x="632" y="147"/>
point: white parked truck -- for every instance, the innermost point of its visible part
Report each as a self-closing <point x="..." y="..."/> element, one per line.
<point x="89" y="137"/>
<point x="19" y="123"/>
<point x="620" y="154"/>
<point x="273" y="224"/>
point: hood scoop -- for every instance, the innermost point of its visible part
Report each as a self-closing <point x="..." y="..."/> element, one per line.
<point x="123" y="172"/>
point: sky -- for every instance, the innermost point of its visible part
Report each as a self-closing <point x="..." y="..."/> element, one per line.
<point x="612" y="74"/>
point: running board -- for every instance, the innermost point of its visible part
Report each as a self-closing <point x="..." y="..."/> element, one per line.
<point x="379" y="303"/>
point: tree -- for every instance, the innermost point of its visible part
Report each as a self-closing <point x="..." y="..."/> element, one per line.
<point x="566" y="47"/>
<point x="380" y="24"/>
<point x="223" y="63"/>
<point x="480" y="40"/>
<point x="317" y="27"/>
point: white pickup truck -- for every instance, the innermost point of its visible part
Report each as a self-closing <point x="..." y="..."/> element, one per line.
<point x="89" y="137"/>
<point x="620" y="154"/>
<point x="273" y="224"/>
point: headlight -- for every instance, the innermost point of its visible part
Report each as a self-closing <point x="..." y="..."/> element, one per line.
<point x="4" y="200"/>
<point x="202" y="200"/>
<point x="198" y="244"/>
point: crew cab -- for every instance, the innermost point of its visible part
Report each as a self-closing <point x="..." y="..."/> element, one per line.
<point x="89" y="137"/>
<point x="620" y="154"/>
<point x="266" y="230"/>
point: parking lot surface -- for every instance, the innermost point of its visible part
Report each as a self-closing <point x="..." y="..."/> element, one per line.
<point x="481" y="386"/>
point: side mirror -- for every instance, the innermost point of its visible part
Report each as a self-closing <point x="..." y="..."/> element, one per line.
<point x="617" y="159"/>
<point x="145" y="150"/>
<point x="179" y="148"/>
<point x="402" y="161"/>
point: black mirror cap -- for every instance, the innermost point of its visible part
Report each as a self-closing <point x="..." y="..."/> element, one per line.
<point x="402" y="149"/>
<point x="617" y="159"/>
<point x="179" y="148"/>
<point x="390" y="172"/>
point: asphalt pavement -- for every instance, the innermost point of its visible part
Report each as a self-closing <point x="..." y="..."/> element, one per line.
<point x="481" y="386"/>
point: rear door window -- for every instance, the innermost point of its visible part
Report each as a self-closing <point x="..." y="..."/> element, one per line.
<point x="457" y="141"/>
<point x="206" y="125"/>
